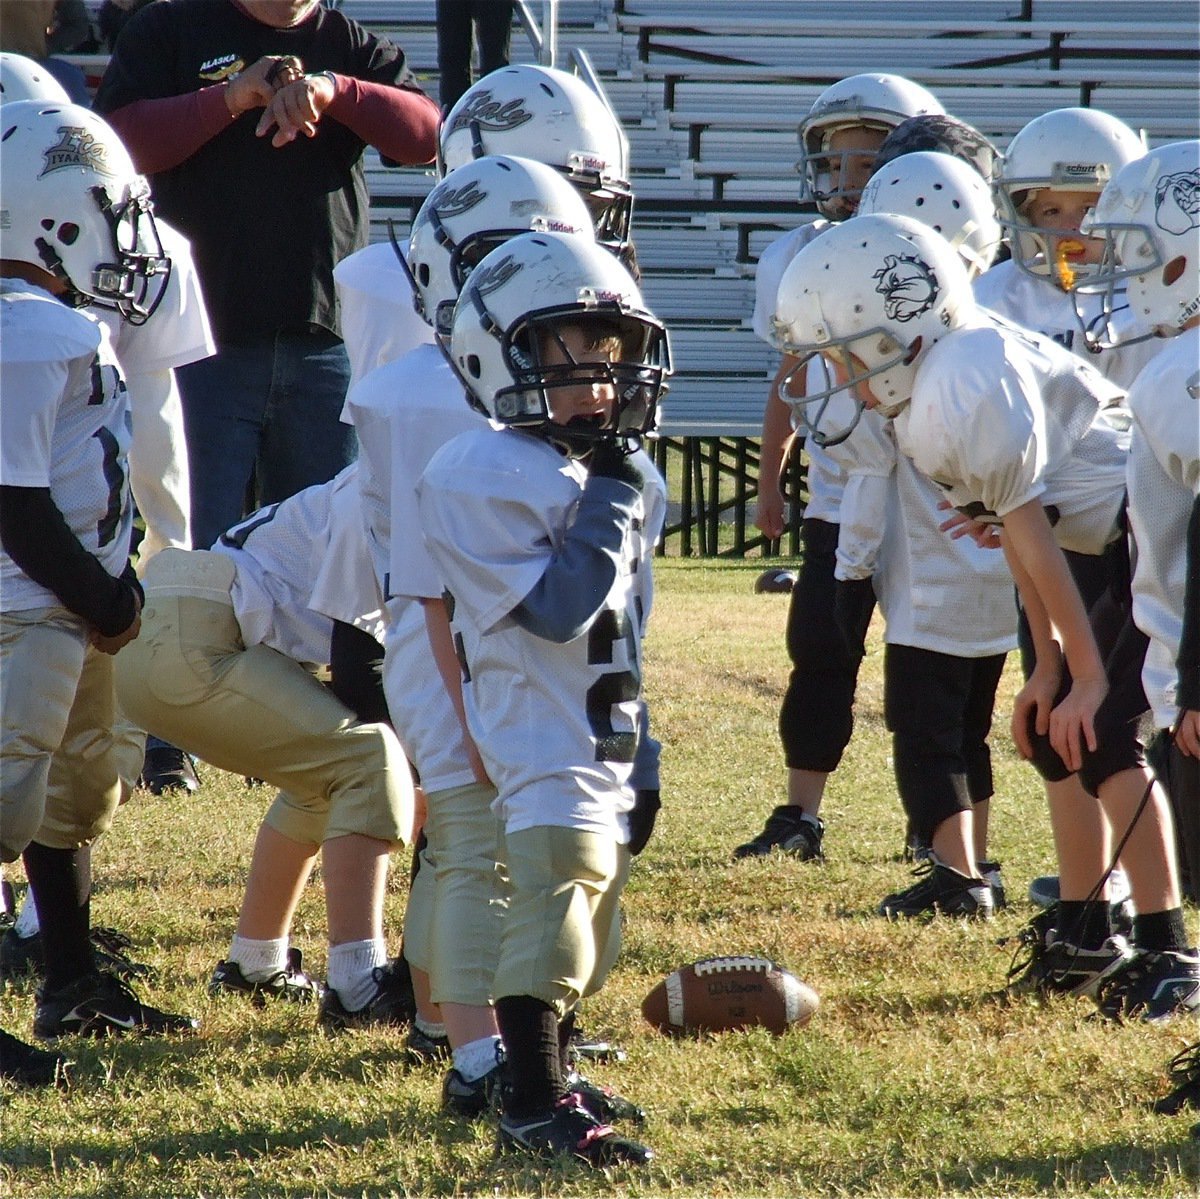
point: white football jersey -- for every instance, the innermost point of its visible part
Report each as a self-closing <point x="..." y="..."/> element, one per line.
<point x="826" y="480"/>
<point x="405" y="411"/>
<point x="1164" y="480"/>
<point x="379" y="322"/>
<point x="1036" y="303"/>
<point x="1000" y="416"/>
<point x="421" y="712"/>
<point x="557" y="724"/>
<point x="345" y="586"/>
<point x="178" y="332"/>
<point x="65" y="425"/>
<point x="936" y="593"/>
<point x="278" y="552"/>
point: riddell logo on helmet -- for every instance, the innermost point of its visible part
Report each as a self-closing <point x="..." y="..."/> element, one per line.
<point x="76" y="148"/>
<point x="488" y="113"/>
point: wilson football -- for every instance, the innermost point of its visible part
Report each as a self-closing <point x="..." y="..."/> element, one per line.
<point x="718" y="994"/>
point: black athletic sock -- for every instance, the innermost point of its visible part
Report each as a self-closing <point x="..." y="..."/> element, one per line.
<point x="61" y="882"/>
<point x="1157" y="931"/>
<point x="566" y="1027"/>
<point x="529" y="1029"/>
<point x="1087" y="925"/>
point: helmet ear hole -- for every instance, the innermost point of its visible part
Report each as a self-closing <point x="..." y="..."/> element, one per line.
<point x="68" y="233"/>
<point x="1173" y="270"/>
<point x="473" y="366"/>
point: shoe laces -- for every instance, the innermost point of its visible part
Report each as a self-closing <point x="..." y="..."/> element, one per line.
<point x="1185" y="1065"/>
<point x="573" y="1105"/>
<point x="111" y="940"/>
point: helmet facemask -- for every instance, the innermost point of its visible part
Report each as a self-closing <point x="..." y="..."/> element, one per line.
<point x="622" y="353"/>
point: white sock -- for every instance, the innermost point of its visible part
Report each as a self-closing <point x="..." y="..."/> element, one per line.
<point x="27" y="922"/>
<point x="350" y="967"/>
<point x="429" y="1027"/>
<point x="474" y="1059"/>
<point x="258" y="960"/>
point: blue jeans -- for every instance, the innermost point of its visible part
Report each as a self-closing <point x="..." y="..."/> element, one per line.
<point x="262" y="424"/>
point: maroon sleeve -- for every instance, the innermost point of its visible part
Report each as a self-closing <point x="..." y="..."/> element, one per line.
<point x="402" y="124"/>
<point x="160" y="134"/>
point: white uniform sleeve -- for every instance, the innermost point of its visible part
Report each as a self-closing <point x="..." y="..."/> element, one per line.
<point x="868" y="456"/>
<point x="1169" y="423"/>
<point x="491" y="535"/>
<point x="976" y="426"/>
<point x="178" y="332"/>
<point x="773" y="261"/>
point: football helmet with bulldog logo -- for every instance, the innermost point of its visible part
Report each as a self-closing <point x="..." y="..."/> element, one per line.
<point x="871" y="296"/>
<point x="1149" y="218"/>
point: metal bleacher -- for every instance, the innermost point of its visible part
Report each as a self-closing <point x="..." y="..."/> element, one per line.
<point x="711" y="92"/>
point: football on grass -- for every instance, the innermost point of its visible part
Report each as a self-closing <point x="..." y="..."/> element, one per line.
<point x="719" y="994"/>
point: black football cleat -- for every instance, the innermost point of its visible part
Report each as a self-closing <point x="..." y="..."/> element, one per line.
<point x="569" y="1130"/>
<point x="167" y="768"/>
<point x="392" y="1004"/>
<point x="290" y="983"/>
<point x="603" y="1102"/>
<point x="98" y="1004"/>
<point x="1155" y="986"/>
<point x="790" y="831"/>
<point x="470" y="1100"/>
<point x="28" y="1066"/>
<point x="25" y="955"/>
<point x="1184" y="1070"/>
<point x="941" y="891"/>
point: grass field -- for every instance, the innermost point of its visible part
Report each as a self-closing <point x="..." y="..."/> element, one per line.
<point x="909" y="1081"/>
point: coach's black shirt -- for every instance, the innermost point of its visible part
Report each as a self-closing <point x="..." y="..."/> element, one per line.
<point x="267" y="225"/>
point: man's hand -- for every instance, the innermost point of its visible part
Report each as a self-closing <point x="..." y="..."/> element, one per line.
<point x="110" y="645"/>
<point x="256" y="86"/>
<point x="296" y="108"/>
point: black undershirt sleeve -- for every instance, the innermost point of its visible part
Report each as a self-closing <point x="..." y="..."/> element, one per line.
<point x="37" y="538"/>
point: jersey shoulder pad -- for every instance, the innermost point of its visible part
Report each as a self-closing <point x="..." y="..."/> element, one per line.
<point x="35" y="327"/>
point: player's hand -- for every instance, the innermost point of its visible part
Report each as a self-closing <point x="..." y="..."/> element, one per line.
<point x="296" y="108"/>
<point x="987" y="537"/>
<point x="1072" y="723"/>
<point x="1187" y="735"/>
<point x="768" y="515"/>
<point x="1035" y="702"/>
<point x="110" y="645"/>
<point x="646" y="805"/>
<point x="256" y="86"/>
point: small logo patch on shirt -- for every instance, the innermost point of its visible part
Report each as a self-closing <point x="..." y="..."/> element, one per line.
<point x="221" y="68"/>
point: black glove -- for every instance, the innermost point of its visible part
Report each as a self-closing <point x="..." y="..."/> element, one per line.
<point x="610" y="460"/>
<point x="853" y="604"/>
<point x="641" y="819"/>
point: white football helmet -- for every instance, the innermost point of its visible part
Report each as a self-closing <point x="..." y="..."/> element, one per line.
<point x="870" y="101"/>
<point x="872" y="296"/>
<point x="473" y="210"/>
<point x="1149" y="218"/>
<point x="553" y="117"/>
<point x="73" y="205"/>
<point x="23" y="79"/>
<point x="944" y="193"/>
<point x="513" y="307"/>
<point x="1068" y="149"/>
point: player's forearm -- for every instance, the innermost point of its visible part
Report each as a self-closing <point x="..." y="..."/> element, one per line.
<point x="37" y="538"/>
<point x="777" y="436"/>
<point x="1048" y="593"/>
<point x="441" y="643"/>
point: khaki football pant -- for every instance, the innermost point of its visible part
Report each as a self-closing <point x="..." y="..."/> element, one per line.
<point x="60" y="765"/>
<point x="467" y="899"/>
<point x="562" y="933"/>
<point x="253" y="711"/>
